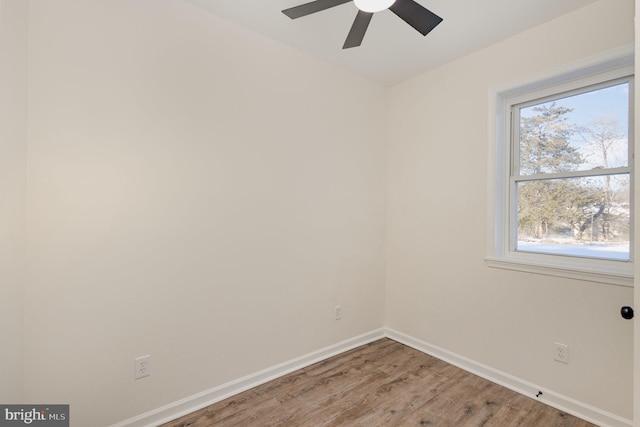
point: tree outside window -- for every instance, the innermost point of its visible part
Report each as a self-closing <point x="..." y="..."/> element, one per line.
<point x="570" y="176"/>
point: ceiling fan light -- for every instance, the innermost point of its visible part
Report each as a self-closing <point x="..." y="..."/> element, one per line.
<point x="372" y="6"/>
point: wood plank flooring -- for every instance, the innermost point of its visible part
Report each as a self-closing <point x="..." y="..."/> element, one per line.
<point x="383" y="383"/>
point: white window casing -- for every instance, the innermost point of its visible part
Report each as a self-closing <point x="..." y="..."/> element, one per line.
<point x="500" y="250"/>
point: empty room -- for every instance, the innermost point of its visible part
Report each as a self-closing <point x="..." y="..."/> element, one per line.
<point x="206" y="200"/>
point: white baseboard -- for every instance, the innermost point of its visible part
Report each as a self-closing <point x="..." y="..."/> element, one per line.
<point x="208" y="397"/>
<point x="571" y="406"/>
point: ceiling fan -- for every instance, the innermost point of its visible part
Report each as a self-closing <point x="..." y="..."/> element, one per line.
<point x="414" y="14"/>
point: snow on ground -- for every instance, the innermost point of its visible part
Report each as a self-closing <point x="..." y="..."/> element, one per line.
<point x="616" y="251"/>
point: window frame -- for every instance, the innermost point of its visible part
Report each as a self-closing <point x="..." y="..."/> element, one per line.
<point x="501" y="252"/>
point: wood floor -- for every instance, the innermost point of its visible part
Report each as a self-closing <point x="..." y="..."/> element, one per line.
<point x="380" y="384"/>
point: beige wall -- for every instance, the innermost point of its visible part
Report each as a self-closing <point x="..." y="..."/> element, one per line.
<point x="439" y="288"/>
<point x="13" y="143"/>
<point x="195" y="192"/>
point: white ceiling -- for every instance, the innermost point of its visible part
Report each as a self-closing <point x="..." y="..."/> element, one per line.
<point x="392" y="51"/>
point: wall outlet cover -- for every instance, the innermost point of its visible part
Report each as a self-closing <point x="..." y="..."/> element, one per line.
<point x="142" y="367"/>
<point x="560" y="352"/>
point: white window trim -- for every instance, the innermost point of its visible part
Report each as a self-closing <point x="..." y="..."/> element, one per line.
<point x="614" y="64"/>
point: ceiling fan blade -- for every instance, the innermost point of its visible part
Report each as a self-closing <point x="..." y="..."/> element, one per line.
<point x="416" y="15"/>
<point x="312" y="7"/>
<point x="358" y="29"/>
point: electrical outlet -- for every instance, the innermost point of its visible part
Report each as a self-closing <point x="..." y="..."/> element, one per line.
<point x="560" y="352"/>
<point x="338" y="312"/>
<point x="142" y="367"/>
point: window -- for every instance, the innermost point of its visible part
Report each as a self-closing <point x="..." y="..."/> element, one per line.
<point x="564" y="174"/>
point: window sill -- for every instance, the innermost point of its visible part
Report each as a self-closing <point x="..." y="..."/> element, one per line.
<point x="618" y="277"/>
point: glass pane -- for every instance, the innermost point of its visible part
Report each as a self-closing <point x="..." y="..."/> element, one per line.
<point x="585" y="131"/>
<point x="587" y="217"/>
